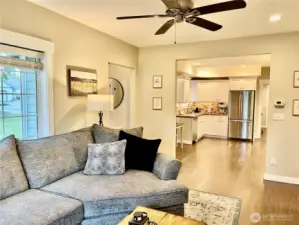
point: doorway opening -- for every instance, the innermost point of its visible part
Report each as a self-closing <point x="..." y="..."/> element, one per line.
<point x="122" y="86"/>
<point x="206" y="102"/>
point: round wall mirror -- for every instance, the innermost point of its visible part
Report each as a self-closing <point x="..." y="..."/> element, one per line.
<point x="117" y="90"/>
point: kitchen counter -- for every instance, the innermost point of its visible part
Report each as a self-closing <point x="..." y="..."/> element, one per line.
<point x="195" y="115"/>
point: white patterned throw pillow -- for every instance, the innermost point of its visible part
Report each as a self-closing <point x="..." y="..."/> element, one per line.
<point x="106" y="159"/>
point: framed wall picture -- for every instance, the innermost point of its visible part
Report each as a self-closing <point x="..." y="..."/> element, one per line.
<point x="296" y="79"/>
<point x="296" y="107"/>
<point x="157" y="103"/>
<point x="81" y="81"/>
<point x="157" y="81"/>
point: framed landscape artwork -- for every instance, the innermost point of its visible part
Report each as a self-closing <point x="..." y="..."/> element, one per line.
<point x="81" y="81"/>
<point x="157" y="103"/>
<point x="296" y="79"/>
<point x="157" y="81"/>
<point x="296" y="107"/>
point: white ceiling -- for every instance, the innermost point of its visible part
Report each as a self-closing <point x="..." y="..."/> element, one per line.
<point x="101" y="14"/>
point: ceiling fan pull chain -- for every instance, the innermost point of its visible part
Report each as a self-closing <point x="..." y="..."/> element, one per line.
<point x="175" y="33"/>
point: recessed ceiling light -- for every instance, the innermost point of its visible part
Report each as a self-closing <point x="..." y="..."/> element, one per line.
<point x="275" y="18"/>
<point x="203" y="73"/>
<point x="243" y="65"/>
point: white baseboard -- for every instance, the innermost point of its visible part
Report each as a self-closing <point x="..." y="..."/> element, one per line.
<point x="215" y="136"/>
<point x="282" y="179"/>
<point x="201" y="137"/>
<point x="185" y="142"/>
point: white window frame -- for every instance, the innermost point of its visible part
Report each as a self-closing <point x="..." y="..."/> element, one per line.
<point x="44" y="86"/>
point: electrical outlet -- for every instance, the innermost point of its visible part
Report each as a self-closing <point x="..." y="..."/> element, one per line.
<point x="273" y="161"/>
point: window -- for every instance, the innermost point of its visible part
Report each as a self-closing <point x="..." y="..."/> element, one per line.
<point x="20" y="71"/>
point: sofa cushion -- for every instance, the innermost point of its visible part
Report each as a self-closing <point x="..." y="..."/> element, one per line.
<point x="38" y="207"/>
<point x="12" y="175"/>
<point x="102" y="195"/>
<point x="106" y="135"/>
<point x="49" y="159"/>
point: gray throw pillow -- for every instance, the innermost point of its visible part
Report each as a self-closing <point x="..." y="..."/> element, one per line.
<point x="106" y="159"/>
<point x="107" y="135"/>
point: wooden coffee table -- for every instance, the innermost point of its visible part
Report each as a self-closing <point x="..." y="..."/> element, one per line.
<point x="161" y="218"/>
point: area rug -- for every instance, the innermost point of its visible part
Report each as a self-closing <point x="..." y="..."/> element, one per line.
<point x="213" y="209"/>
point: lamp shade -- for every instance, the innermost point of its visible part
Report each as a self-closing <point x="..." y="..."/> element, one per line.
<point x="100" y="102"/>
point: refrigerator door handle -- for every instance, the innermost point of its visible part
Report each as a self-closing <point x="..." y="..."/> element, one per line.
<point x="240" y="103"/>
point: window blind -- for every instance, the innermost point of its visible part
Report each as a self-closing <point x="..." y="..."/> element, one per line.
<point x="21" y="58"/>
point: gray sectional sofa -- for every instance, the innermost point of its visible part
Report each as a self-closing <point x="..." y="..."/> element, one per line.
<point x="42" y="182"/>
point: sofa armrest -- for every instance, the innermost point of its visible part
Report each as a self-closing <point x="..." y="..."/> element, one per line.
<point x="166" y="167"/>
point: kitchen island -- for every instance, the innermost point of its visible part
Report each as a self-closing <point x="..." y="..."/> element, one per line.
<point x="199" y="125"/>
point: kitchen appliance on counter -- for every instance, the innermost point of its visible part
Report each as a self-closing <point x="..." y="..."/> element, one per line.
<point x="241" y="115"/>
<point x="222" y="107"/>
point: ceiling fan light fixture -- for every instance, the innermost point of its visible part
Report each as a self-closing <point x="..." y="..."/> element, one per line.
<point x="275" y="18"/>
<point x="180" y="10"/>
<point x="195" y="13"/>
<point x="191" y="20"/>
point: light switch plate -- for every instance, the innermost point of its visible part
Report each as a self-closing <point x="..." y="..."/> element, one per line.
<point x="278" y="116"/>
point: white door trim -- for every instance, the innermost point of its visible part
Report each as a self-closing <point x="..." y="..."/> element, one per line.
<point x="261" y="84"/>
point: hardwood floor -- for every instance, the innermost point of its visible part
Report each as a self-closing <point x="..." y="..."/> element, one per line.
<point x="236" y="169"/>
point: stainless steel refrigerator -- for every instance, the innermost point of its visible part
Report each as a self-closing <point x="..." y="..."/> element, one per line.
<point x="241" y="115"/>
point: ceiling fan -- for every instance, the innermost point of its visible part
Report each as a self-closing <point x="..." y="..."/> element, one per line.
<point x="182" y="10"/>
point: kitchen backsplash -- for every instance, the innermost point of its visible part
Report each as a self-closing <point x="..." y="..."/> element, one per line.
<point x="204" y="107"/>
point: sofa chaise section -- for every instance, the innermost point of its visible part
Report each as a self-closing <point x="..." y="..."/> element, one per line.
<point x="40" y="208"/>
<point x="105" y="195"/>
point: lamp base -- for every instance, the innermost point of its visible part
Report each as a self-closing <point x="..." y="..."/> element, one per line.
<point x="101" y="114"/>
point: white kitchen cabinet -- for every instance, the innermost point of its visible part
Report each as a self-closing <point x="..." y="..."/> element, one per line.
<point x="201" y="127"/>
<point x="213" y="91"/>
<point x="194" y="91"/>
<point x="212" y="125"/>
<point x="243" y="84"/>
<point x="222" y="92"/>
<point x="189" y="130"/>
<point x="221" y="125"/>
<point x="183" y="89"/>
<point x="206" y="92"/>
<point x="196" y="128"/>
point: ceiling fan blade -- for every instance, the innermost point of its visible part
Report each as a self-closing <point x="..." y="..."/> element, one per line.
<point x="172" y="4"/>
<point x="219" y="7"/>
<point x="203" y="23"/>
<point x="166" y="26"/>
<point x="141" y="17"/>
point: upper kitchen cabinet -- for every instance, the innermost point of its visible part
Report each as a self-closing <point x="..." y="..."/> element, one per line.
<point x="212" y="91"/>
<point x="183" y="89"/>
<point x="237" y="84"/>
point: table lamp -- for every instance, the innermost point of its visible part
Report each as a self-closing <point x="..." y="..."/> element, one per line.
<point x="100" y="103"/>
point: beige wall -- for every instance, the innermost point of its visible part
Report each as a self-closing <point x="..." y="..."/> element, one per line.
<point x="75" y="44"/>
<point x="230" y="71"/>
<point x="283" y="138"/>
<point x="78" y="45"/>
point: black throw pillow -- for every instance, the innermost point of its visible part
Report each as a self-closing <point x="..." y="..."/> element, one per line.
<point x="140" y="154"/>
